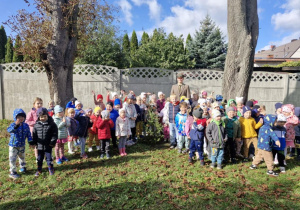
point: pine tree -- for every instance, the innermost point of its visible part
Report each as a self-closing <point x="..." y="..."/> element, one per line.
<point x="17" y="57"/>
<point x="9" y="51"/>
<point x="126" y="44"/>
<point x="208" y="47"/>
<point x="133" y="44"/>
<point x="187" y="41"/>
<point x="145" y="38"/>
<point x="3" y="41"/>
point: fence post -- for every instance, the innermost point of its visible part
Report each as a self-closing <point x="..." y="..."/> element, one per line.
<point x="1" y="94"/>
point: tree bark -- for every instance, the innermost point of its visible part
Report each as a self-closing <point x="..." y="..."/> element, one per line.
<point x="242" y="26"/>
<point x="61" y="53"/>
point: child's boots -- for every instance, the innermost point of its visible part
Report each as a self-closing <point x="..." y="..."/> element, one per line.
<point x="121" y="152"/>
<point x="123" y="149"/>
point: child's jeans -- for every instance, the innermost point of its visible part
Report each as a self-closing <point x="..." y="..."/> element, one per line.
<point x="196" y="145"/>
<point x="41" y="155"/>
<point x="93" y="137"/>
<point x="104" y="145"/>
<point x="82" y="145"/>
<point x="173" y="134"/>
<point x="247" y="143"/>
<point x="217" y="155"/>
<point x="183" y="140"/>
<point x="280" y="157"/>
<point x="267" y="156"/>
<point x="122" y="141"/>
<point x="15" y="152"/>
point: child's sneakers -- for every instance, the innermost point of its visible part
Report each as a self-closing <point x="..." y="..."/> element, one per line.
<point x="179" y="151"/>
<point x="282" y="169"/>
<point x="102" y="156"/>
<point x="51" y="171"/>
<point x="107" y="155"/>
<point x="219" y="166"/>
<point x="98" y="148"/>
<point x="14" y="175"/>
<point x="64" y="159"/>
<point x="58" y="161"/>
<point x="23" y="170"/>
<point x="84" y="156"/>
<point x="253" y="167"/>
<point x="37" y="174"/>
<point x="90" y="149"/>
<point x="272" y="173"/>
<point x="71" y="152"/>
<point x="212" y="165"/>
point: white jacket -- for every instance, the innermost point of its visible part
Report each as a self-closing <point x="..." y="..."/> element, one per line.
<point x="123" y="127"/>
<point x="130" y="112"/>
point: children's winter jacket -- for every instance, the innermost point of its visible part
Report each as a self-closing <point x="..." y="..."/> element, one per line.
<point x="83" y="125"/>
<point x="143" y="108"/>
<point x="280" y="133"/>
<point x="104" y="127"/>
<point x="232" y="127"/>
<point x="291" y="122"/>
<point x="123" y="127"/>
<point x="73" y="126"/>
<point x="114" y="114"/>
<point x="70" y="105"/>
<point x="31" y="118"/>
<point x="130" y="112"/>
<point x="197" y="131"/>
<point x="188" y="125"/>
<point x="266" y="134"/>
<point x="180" y="121"/>
<point x="248" y="127"/>
<point x="44" y="134"/>
<point x="171" y="112"/>
<point x="19" y="133"/>
<point x="62" y="127"/>
<point x="94" y="129"/>
<point x="160" y="104"/>
<point x="216" y="134"/>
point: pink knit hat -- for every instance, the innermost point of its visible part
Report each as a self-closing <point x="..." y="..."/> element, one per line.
<point x="288" y="108"/>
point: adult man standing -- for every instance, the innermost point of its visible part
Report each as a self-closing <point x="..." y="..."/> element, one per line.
<point x="180" y="89"/>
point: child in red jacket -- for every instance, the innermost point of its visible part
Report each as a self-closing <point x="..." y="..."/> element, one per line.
<point x="104" y="125"/>
<point x="93" y="131"/>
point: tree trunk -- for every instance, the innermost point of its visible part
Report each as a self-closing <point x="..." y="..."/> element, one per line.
<point x="61" y="53"/>
<point x="242" y="25"/>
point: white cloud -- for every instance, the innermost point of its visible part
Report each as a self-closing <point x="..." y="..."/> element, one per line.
<point x="154" y="8"/>
<point x="186" y="19"/>
<point x="126" y="9"/>
<point x="287" y="21"/>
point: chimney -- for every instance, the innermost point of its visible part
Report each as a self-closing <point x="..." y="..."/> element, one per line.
<point x="262" y="50"/>
<point x="258" y="52"/>
<point x="294" y="40"/>
<point x="270" y="56"/>
<point x="273" y="47"/>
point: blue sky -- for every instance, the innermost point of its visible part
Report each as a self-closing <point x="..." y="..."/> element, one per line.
<point x="278" y="19"/>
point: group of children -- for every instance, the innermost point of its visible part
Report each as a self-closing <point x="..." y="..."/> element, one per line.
<point x="223" y="130"/>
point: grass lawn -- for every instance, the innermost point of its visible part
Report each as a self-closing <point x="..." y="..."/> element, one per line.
<point x="150" y="177"/>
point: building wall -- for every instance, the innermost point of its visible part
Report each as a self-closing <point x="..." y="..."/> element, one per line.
<point x="19" y="85"/>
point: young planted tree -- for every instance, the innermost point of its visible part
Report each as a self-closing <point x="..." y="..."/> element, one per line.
<point x="242" y="25"/>
<point x="133" y="45"/>
<point x="17" y="57"/>
<point x="3" y="41"/>
<point x="52" y="33"/>
<point x="145" y="38"/>
<point x="9" y="51"/>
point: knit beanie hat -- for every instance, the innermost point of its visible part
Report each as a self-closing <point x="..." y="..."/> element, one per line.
<point x="143" y="94"/>
<point x="281" y="118"/>
<point x="278" y="106"/>
<point x="121" y="110"/>
<point x="246" y="108"/>
<point x="88" y="110"/>
<point x="99" y="96"/>
<point x="41" y="111"/>
<point x="201" y="101"/>
<point x="249" y="104"/>
<point x="160" y="93"/>
<point x="288" y="108"/>
<point x="110" y="103"/>
<point x="113" y="94"/>
<point x="215" y="104"/>
<point x="77" y="102"/>
<point x="130" y="96"/>
<point x="215" y="113"/>
<point x="97" y="109"/>
<point x="117" y="102"/>
<point x="219" y="98"/>
<point x="256" y="107"/>
<point x="229" y="109"/>
<point x="198" y="113"/>
<point x="105" y="114"/>
<point x="239" y="100"/>
<point x="204" y="93"/>
<point x="58" y="109"/>
<point x="73" y="99"/>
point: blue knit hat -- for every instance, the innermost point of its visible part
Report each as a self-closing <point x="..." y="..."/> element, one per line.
<point x="246" y="108"/>
<point x="58" y="109"/>
<point x="278" y="105"/>
<point x="117" y="102"/>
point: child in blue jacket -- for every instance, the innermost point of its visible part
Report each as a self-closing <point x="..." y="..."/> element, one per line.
<point x="266" y="137"/>
<point x="19" y="131"/>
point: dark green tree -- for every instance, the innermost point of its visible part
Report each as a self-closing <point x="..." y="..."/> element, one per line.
<point x="126" y="44"/>
<point x="145" y="38"/>
<point x="3" y="41"/>
<point x="208" y="47"/>
<point x="9" y="51"/>
<point x="133" y="43"/>
<point x="17" y="57"/>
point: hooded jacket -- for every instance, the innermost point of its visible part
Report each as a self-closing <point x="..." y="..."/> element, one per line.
<point x="232" y="127"/>
<point x="83" y="125"/>
<point x="216" y="134"/>
<point x="62" y="127"/>
<point x="44" y="134"/>
<point x="248" y="127"/>
<point x="94" y="129"/>
<point x="73" y="126"/>
<point x="197" y="132"/>
<point x="19" y="133"/>
<point x="104" y="127"/>
<point x="230" y="101"/>
<point x="267" y="136"/>
<point x="280" y="133"/>
<point x="171" y="112"/>
<point x="180" y="121"/>
<point x="31" y="118"/>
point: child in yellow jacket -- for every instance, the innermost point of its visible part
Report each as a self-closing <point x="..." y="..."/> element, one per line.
<point x="249" y="134"/>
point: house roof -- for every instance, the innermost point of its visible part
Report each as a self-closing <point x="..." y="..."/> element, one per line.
<point x="283" y="51"/>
